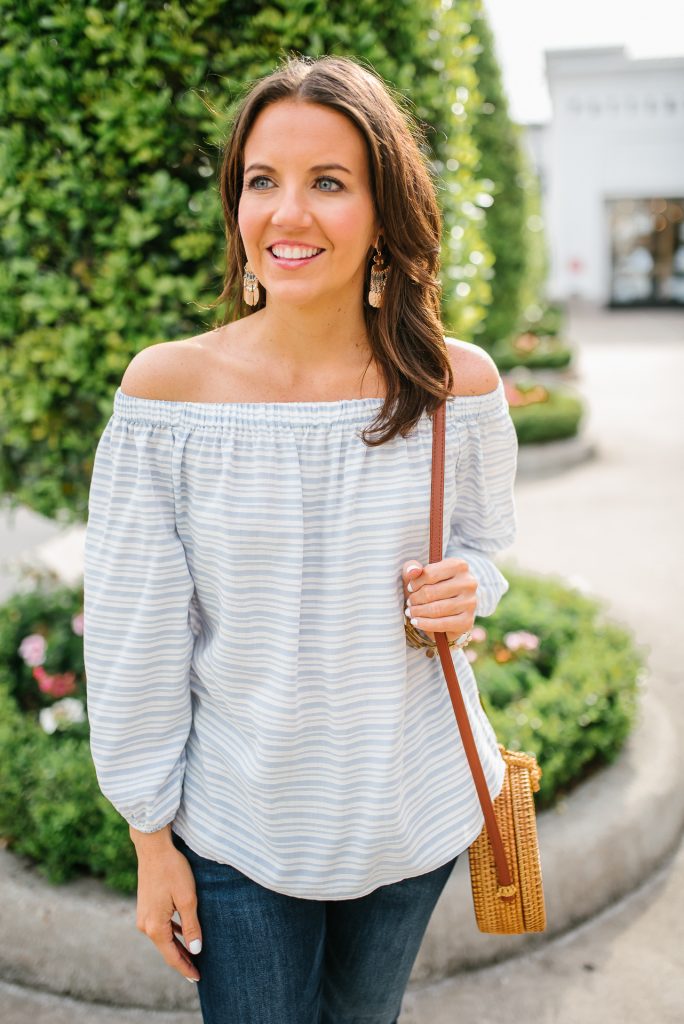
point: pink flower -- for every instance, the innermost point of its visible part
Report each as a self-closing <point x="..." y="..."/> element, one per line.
<point x="521" y="640"/>
<point x="57" y="685"/>
<point x="77" y="624"/>
<point x="32" y="649"/>
<point x="479" y="634"/>
<point x="470" y="655"/>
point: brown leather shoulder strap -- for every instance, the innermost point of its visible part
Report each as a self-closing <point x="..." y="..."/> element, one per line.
<point x="436" y="525"/>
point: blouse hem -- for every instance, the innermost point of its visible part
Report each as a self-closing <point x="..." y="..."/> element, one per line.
<point x="365" y="890"/>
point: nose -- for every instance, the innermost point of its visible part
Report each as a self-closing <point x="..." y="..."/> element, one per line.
<point x="291" y="208"/>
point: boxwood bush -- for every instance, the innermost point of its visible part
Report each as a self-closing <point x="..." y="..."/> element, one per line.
<point x="533" y="350"/>
<point x="541" y="414"/>
<point x="564" y="687"/>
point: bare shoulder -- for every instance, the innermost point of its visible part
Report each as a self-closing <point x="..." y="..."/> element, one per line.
<point x="168" y="370"/>
<point x="474" y="370"/>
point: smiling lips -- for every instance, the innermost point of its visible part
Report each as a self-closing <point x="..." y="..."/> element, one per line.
<point x="294" y="255"/>
<point x="294" y="251"/>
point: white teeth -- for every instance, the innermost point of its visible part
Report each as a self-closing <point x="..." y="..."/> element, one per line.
<point x="293" y="252"/>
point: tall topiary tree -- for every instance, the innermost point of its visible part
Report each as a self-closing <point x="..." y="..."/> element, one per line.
<point x="502" y="165"/>
<point x="533" y="297"/>
<point x="111" y="122"/>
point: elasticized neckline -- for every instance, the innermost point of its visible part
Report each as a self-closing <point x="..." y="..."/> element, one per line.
<point x="159" y="411"/>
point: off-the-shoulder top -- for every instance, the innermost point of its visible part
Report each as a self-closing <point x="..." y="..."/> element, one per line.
<point x="248" y="675"/>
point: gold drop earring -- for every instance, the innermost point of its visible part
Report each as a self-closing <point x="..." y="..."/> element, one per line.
<point x="250" y="286"/>
<point x="378" y="279"/>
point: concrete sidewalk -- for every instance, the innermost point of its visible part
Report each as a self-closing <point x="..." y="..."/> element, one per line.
<point x="613" y="525"/>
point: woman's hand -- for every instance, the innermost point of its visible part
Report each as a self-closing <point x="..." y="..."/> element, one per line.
<point x="166" y="884"/>
<point x="442" y="597"/>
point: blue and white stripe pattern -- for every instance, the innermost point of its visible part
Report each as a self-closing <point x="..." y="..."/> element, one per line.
<point x="248" y="675"/>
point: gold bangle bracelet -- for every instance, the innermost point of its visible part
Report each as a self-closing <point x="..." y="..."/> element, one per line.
<point x="415" y="638"/>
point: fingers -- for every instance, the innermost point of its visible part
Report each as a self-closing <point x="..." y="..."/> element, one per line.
<point x="463" y="585"/>
<point x="415" y="575"/>
<point x="444" y="599"/>
<point x="411" y="571"/>
<point x="447" y="598"/>
<point x="173" y="952"/>
<point x="188" y="934"/>
<point x="444" y="616"/>
<point x="187" y="908"/>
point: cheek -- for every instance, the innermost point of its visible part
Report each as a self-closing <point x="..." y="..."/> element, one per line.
<point x="343" y="226"/>
<point x="249" y="219"/>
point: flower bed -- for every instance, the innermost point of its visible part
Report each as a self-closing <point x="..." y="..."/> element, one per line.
<point x="533" y="350"/>
<point x="565" y="686"/>
<point x="556" y="679"/>
<point x="541" y="414"/>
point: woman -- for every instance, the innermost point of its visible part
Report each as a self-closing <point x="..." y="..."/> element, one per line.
<point x="289" y="766"/>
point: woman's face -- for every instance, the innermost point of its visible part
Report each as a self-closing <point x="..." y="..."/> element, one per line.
<point x="292" y="194"/>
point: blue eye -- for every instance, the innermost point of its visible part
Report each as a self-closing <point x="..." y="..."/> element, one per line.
<point x="335" y="181"/>
<point x="259" y="177"/>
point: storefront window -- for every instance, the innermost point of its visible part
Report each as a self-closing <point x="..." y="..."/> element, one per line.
<point x="647" y="252"/>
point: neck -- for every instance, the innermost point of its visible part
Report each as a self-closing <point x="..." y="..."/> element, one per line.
<point x="311" y="340"/>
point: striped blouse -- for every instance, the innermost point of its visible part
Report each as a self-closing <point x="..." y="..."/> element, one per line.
<point x="248" y="675"/>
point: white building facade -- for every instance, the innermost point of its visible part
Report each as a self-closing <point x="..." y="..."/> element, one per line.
<point x="611" y="164"/>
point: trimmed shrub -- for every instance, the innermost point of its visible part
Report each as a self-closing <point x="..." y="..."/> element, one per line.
<point x="571" y="698"/>
<point x="535" y="351"/>
<point x="543" y="414"/>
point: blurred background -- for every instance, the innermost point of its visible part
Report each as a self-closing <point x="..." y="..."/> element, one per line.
<point x="603" y="124"/>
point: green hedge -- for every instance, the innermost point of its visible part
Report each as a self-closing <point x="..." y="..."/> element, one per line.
<point x="571" y="700"/>
<point x="556" y="418"/>
<point x="550" y="353"/>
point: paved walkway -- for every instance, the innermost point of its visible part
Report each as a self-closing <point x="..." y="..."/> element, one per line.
<point x="615" y="525"/>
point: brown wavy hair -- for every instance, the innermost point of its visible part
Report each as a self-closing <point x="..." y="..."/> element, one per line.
<point x="406" y="335"/>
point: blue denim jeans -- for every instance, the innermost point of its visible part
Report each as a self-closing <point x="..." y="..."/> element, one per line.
<point x="268" y="958"/>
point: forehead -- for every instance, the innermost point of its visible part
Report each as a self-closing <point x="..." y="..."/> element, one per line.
<point x="296" y="130"/>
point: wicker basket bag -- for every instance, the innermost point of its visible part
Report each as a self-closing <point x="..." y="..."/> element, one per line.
<point x="515" y="819"/>
<point x="505" y="867"/>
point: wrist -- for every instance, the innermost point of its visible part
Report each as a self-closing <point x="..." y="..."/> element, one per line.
<point x="151" y="842"/>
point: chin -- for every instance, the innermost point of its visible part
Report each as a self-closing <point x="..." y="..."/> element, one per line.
<point x="295" y="296"/>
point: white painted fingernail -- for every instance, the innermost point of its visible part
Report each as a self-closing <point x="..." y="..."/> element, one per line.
<point x="409" y="587"/>
<point x="196" y="946"/>
<point x="193" y="980"/>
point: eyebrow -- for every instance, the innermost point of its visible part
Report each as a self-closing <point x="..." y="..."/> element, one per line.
<point x="316" y="167"/>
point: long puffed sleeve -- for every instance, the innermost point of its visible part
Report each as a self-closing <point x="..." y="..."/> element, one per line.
<point x="138" y="640"/>
<point x="484" y="521"/>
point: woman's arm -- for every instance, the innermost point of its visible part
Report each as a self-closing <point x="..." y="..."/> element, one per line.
<point x="138" y="641"/>
<point x="484" y="519"/>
